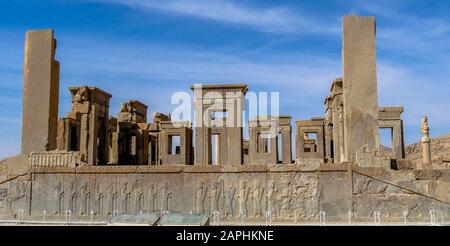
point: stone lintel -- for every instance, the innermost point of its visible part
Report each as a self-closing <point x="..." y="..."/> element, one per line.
<point x="390" y="113"/>
<point x="211" y="87"/>
<point x="175" y="124"/>
<point x="316" y="122"/>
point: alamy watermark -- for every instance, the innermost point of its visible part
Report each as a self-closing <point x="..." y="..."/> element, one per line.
<point x="226" y="108"/>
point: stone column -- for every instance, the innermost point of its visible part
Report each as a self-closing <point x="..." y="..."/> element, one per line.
<point x="217" y="150"/>
<point x="40" y="92"/>
<point x="93" y="134"/>
<point x="286" y="156"/>
<point x="426" y="145"/>
<point x="397" y="141"/>
<point x="328" y="131"/>
<point x="337" y="119"/>
<point x="84" y="136"/>
<point x="360" y="85"/>
<point x="202" y="132"/>
<point x="234" y="150"/>
<point x="114" y="152"/>
<point x="202" y="145"/>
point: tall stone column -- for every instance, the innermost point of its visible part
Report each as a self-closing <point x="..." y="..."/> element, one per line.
<point x="426" y="145"/>
<point x="40" y="92"/>
<point x="360" y="85"/>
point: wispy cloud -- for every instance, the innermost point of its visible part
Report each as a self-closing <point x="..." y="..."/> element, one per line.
<point x="412" y="35"/>
<point x="413" y="58"/>
<point x="169" y="68"/>
<point x="269" y="19"/>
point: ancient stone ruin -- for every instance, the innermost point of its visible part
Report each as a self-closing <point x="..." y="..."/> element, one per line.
<point x="90" y="163"/>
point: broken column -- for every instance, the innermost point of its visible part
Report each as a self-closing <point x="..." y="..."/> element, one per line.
<point x="40" y="92"/>
<point x="426" y="145"/>
<point x="360" y="85"/>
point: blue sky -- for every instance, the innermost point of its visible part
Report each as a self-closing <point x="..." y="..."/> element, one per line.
<point x="147" y="50"/>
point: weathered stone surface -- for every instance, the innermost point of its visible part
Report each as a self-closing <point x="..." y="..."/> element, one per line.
<point x="266" y="134"/>
<point x="310" y="139"/>
<point x="226" y="99"/>
<point x="390" y="117"/>
<point x="40" y="92"/>
<point x="289" y="195"/>
<point x="360" y="85"/>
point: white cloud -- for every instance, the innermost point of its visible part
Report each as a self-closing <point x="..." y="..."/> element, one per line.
<point x="412" y="35"/>
<point x="421" y="93"/>
<point x="269" y="19"/>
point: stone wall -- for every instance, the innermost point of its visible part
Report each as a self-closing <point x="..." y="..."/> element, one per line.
<point x="290" y="192"/>
<point x="400" y="193"/>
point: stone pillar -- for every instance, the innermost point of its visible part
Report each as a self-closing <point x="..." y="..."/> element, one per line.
<point x="202" y="133"/>
<point x="397" y="141"/>
<point x="114" y="152"/>
<point x="202" y="145"/>
<point x="328" y="131"/>
<point x="84" y="136"/>
<point x="93" y="133"/>
<point x="426" y="145"/>
<point x="234" y="148"/>
<point x="360" y="85"/>
<point x="286" y="155"/>
<point x="217" y="150"/>
<point x="286" y="142"/>
<point x="338" y="120"/>
<point x="40" y="92"/>
<point x="63" y="139"/>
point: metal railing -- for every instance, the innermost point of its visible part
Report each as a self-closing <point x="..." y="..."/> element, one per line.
<point x="433" y="217"/>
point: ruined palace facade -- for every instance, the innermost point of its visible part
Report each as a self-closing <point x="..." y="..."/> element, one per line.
<point x="89" y="163"/>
